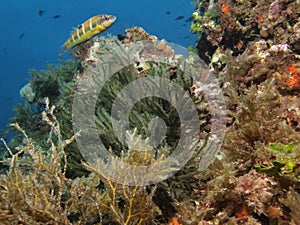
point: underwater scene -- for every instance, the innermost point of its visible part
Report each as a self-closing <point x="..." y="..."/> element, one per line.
<point x="150" y="112"/>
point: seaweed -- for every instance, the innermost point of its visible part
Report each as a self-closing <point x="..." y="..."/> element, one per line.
<point x="292" y="201"/>
<point x="36" y="190"/>
<point x="254" y="179"/>
<point x="48" y="181"/>
<point x="258" y="119"/>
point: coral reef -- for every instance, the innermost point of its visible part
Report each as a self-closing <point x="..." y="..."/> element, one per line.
<point x="252" y="47"/>
<point x="68" y="190"/>
<point x="233" y="24"/>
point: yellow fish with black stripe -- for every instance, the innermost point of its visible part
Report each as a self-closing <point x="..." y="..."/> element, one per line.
<point x="90" y="28"/>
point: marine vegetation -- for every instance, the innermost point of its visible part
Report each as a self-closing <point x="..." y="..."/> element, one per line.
<point x="36" y="190"/>
<point x="252" y="47"/>
<point x="48" y="181"/>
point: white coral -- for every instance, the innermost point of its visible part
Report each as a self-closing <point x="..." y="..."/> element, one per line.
<point x="27" y="93"/>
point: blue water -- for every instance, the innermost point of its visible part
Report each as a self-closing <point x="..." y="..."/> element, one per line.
<point x="30" y="41"/>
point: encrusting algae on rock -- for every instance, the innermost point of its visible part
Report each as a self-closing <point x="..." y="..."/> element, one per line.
<point x="253" y="48"/>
